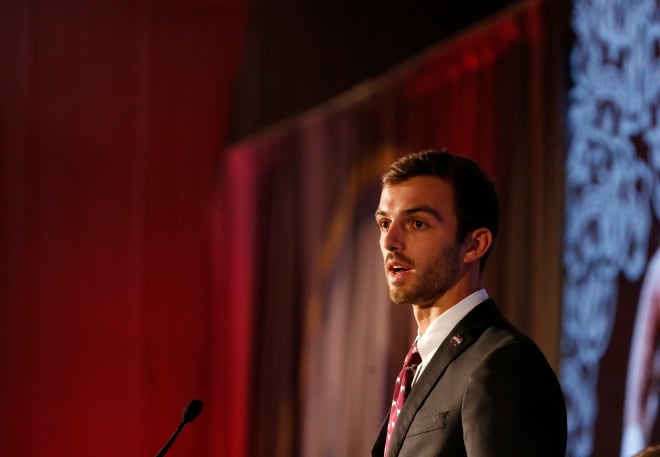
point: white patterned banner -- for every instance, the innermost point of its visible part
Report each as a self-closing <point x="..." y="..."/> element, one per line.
<point x="613" y="192"/>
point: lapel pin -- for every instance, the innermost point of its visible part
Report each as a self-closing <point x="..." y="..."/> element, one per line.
<point x="456" y="340"/>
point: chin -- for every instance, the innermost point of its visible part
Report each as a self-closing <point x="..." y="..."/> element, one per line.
<point x="399" y="297"/>
<point x="421" y="298"/>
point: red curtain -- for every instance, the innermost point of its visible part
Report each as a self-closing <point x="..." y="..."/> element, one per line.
<point x="112" y="116"/>
<point x="296" y="235"/>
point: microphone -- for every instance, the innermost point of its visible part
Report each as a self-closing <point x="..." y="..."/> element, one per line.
<point x="190" y="413"/>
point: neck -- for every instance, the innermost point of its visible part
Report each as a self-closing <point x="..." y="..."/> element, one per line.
<point x="425" y="314"/>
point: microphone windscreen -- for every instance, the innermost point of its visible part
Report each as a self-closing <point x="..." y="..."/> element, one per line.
<point x="192" y="410"/>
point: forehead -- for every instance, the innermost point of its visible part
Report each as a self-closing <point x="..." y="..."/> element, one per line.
<point x="419" y="191"/>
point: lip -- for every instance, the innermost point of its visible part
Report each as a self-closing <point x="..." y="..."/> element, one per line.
<point x="398" y="271"/>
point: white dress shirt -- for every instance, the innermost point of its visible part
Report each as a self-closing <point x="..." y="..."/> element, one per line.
<point x="440" y="327"/>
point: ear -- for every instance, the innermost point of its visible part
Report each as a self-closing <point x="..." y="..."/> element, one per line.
<point x="477" y="244"/>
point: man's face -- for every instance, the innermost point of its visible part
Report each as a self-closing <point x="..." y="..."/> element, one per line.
<point x="417" y="223"/>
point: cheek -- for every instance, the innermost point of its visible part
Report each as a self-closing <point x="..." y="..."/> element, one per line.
<point x="425" y="251"/>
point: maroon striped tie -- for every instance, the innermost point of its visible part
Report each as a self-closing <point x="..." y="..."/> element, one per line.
<point x="402" y="389"/>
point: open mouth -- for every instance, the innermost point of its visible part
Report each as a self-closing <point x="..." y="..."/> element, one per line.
<point x="397" y="272"/>
<point x="398" y="268"/>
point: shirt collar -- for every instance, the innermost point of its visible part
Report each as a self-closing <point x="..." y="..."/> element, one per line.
<point x="440" y="327"/>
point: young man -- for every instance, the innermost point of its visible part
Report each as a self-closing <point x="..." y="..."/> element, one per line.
<point x="479" y="387"/>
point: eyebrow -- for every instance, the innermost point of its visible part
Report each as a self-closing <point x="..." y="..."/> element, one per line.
<point x="417" y="209"/>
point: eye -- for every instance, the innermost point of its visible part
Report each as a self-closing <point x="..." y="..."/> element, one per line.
<point x="416" y="223"/>
<point x="383" y="224"/>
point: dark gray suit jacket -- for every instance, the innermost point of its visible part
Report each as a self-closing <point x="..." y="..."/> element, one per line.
<point x="488" y="391"/>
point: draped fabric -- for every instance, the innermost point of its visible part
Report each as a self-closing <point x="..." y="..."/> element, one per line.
<point x="112" y="117"/>
<point x="300" y="53"/>
<point x="297" y="240"/>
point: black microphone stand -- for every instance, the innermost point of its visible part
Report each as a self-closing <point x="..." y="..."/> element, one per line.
<point x="191" y="411"/>
<point x="172" y="438"/>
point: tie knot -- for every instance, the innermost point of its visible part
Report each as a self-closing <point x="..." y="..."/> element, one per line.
<point x="412" y="358"/>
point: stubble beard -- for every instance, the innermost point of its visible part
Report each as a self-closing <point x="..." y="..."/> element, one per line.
<point x="431" y="284"/>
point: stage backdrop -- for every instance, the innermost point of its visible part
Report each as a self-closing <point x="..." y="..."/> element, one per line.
<point x="297" y="243"/>
<point x="112" y="117"/>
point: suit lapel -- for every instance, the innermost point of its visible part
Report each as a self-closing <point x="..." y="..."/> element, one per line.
<point x="379" y="445"/>
<point x="460" y="338"/>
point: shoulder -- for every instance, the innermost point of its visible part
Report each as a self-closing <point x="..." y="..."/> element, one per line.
<point x="499" y="350"/>
<point x="501" y="344"/>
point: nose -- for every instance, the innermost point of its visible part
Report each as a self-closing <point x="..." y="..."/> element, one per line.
<point x="392" y="239"/>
